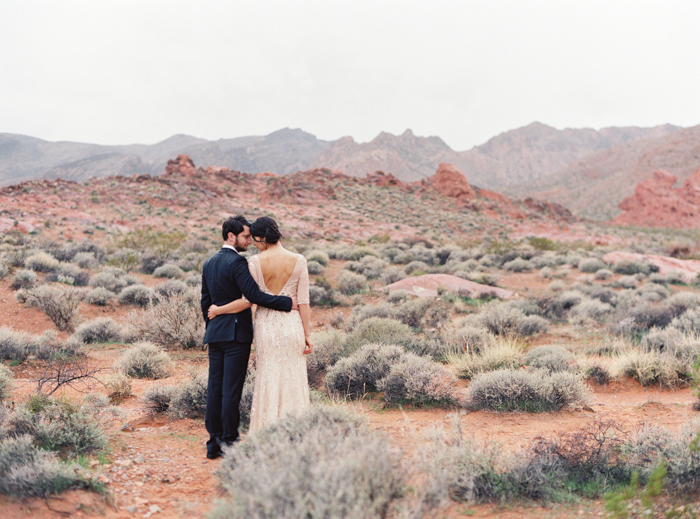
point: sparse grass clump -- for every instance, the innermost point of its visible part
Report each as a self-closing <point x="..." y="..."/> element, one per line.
<point x="100" y="330"/>
<point x="495" y="353"/>
<point x="146" y="360"/>
<point x="324" y="463"/>
<point x="119" y="385"/>
<point x="532" y="391"/>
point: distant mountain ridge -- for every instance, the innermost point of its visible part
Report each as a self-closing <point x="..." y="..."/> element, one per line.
<point x="513" y="157"/>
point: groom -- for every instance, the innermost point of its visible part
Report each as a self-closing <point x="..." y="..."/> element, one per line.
<point x="225" y="278"/>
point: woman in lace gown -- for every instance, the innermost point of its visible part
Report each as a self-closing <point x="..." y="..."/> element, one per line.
<point x="281" y="338"/>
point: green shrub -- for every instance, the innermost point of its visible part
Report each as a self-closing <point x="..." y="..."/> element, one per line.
<point x="358" y="374"/>
<point x="419" y="381"/>
<point x="100" y="330"/>
<point x="41" y="262"/>
<point x="324" y="463"/>
<point x="7" y="383"/>
<point x="145" y="360"/>
<point x="532" y="391"/>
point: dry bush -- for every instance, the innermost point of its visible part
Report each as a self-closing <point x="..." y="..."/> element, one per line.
<point x="329" y="347"/>
<point x="361" y="313"/>
<point x="27" y="471"/>
<point x="650" y="368"/>
<point x="41" y="262"/>
<point x="118" y="385"/>
<point x="23" y="279"/>
<point x="174" y="320"/>
<point x="602" y="274"/>
<point x="504" y="319"/>
<point x="590" y="310"/>
<point x="531" y="391"/>
<point x="172" y="286"/>
<point x="324" y="463"/>
<point x="590" y="265"/>
<point x="169" y="271"/>
<point x="358" y="253"/>
<point x="358" y="374"/>
<point x="518" y="265"/>
<point x="318" y="256"/>
<point x="17" y="346"/>
<point x="552" y="358"/>
<point x="631" y="267"/>
<point x="190" y="397"/>
<point x="100" y="330"/>
<point x="59" y="303"/>
<point x="314" y="268"/>
<point x="145" y="360"/>
<point x="158" y="398"/>
<point x="419" y="381"/>
<point x="349" y="283"/>
<point x="381" y="331"/>
<point x="7" y="383"/>
<point x="86" y="260"/>
<point x="466" y="339"/>
<point x="391" y="275"/>
<point x="137" y="295"/>
<point x="416" y="268"/>
<point x="369" y="266"/>
<point x="494" y="354"/>
<point x="4" y="269"/>
<point x="99" y="296"/>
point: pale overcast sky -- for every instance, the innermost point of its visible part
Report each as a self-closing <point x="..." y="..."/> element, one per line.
<point x="120" y="72"/>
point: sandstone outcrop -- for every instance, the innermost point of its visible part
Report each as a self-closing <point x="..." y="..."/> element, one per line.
<point x="656" y="203"/>
<point x="183" y="164"/>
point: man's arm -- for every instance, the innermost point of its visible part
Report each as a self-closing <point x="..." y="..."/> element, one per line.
<point x="206" y="299"/>
<point x="250" y="289"/>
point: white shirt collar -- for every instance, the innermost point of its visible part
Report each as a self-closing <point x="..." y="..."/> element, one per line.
<point x="227" y="246"/>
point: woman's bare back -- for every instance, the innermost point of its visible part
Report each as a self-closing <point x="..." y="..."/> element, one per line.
<point x="277" y="268"/>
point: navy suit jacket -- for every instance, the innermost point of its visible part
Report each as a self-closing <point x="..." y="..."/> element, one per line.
<point x="225" y="278"/>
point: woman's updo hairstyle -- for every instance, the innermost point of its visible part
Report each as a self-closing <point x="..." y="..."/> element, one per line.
<point x="266" y="227"/>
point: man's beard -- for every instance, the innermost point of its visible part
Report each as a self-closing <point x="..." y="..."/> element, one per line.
<point x="240" y="247"/>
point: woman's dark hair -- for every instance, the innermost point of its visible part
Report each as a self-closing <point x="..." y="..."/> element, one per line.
<point x="266" y="227"/>
<point x="235" y="225"/>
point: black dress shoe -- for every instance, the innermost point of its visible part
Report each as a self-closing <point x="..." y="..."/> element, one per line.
<point x="214" y="454"/>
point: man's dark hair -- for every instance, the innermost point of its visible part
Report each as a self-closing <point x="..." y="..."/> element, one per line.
<point x="235" y="225"/>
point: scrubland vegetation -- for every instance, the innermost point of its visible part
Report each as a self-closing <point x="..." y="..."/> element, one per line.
<point x="126" y="327"/>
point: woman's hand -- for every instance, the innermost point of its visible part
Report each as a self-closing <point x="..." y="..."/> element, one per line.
<point x="308" y="347"/>
<point x="212" y="312"/>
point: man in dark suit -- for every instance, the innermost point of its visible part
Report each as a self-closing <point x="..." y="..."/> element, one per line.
<point x="225" y="278"/>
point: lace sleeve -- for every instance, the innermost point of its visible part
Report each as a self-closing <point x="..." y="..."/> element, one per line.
<point x="303" y="286"/>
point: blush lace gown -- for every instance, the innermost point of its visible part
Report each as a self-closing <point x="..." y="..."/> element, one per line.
<point x="281" y="385"/>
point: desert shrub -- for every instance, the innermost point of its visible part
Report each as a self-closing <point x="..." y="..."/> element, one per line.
<point x="503" y="319"/>
<point x="23" y="279"/>
<point x="392" y="275"/>
<point x="190" y="262"/>
<point x="145" y="360"/>
<point x="158" y="398"/>
<point x="349" y="283"/>
<point x="518" y="265"/>
<point x="413" y="312"/>
<point x="551" y="357"/>
<point x="314" y="268"/>
<point x="41" y="262"/>
<point x="360" y="373"/>
<point x="14" y="345"/>
<point x="102" y="329"/>
<point x="99" y="296"/>
<point x="70" y="274"/>
<point x="570" y="298"/>
<point x="59" y="303"/>
<point x="27" y="471"/>
<point x="329" y="347"/>
<point x="118" y="385"/>
<point x="194" y="281"/>
<point x="627" y="282"/>
<point x="419" y="381"/>
<point x="652" y="445"/>
<point x="467" y="338"/>
<point x="59" y="425"/>
<point x="531" y="391"/>
<point x="172" y="286"/>
<point x="494" y="354"/>
<point x="556" y="286"/>
<point x="688" y="322"/>
<point x="150" y="262"/>
<point x="86" y="260"/>
<point x="369" y="266"/>
<point x="190" y="397"/>
<point x="416" y="268"/>
<point x="364" y="312"/>
<point x="599" y="373"/>
<point x="137" y="295"/>
<point x="358" y="253"/>
<point x="169" y="270"/>
<point x="124" y="259"/>
<point x="397" y="296"/>
<point x="650" y="368"/>
<point x="379" y="330"/>
<point x="321" y="296"/>
<point x="642" y="317"/>
<point x="590" y="265"/>
<point x="110" y="281"/>
<point x="659" y="340"/>
<point x="7" y="383"/>
<point x="546" y="272"/>
<point x="630" y="267"/>
<point x="318" y="256"/>
<point x="324" y="463"/>
<point x="681" y="302"/>
<point x="4" y="269"/>
<point x="590" y="310"/>
<point x="175" y="320"/>
<point x="602" y="274"/>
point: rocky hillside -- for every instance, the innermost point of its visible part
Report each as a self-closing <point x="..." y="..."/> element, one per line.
<point x="515" y="156"/>
<point x="594" y="186"/>
<point x="318" y="203"/>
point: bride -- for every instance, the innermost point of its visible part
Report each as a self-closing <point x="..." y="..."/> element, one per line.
<point x="281" y="338"/>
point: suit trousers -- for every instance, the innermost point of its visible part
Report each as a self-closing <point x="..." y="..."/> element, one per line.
<point x="228" y="363"/>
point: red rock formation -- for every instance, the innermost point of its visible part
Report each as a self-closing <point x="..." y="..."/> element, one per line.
<point x="182" y="164"/>
<point x="382" y="179"/>
<point x="656" y="203"/>
<point x="451" y="182"/>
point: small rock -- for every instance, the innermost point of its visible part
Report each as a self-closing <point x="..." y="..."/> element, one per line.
<point x="94" y="463"/>
<point x="140" y="501"/>
<point x="154" y="509"/>
<point x="104" y="479"/>
<point x="124" y="463"/>
<point x="126" y="427"/>
<point x="131" y="509"/>
<point x="139" y="458"/>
